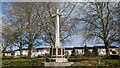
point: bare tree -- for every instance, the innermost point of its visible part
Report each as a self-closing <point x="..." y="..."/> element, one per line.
<point x="34" y="25"/>
<point x="7" y="38"/>
<point x="24" y="24"/>
<point x="101" y="22"/>
<point x="32" y="30"/>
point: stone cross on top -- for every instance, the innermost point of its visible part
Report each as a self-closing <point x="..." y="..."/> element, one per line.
<point x="57" y="40"/>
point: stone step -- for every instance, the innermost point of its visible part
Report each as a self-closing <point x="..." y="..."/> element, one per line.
<point x="47" y="64"/>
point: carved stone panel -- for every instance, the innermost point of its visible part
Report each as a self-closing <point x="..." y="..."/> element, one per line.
<point x="59" y="51"/>
<point x="54" y="51"/>
<point x="50" y="51"/>
<point x="63" y="51"/>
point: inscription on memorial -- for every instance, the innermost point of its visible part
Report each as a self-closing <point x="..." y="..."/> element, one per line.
<point x="50" y="51"/>
<point x="54" y="51"/>
<point x="63" y="51"/>
<point x="59" y="51"/>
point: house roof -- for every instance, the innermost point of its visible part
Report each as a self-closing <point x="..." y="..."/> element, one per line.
<point x="83" y="47"/>
<point x="40" y="48"/>
<point x="7" y="51"/>
<point x="22" y="49"/>
<point x="113" y="47"/>
<point x="34" y="49"/>
<point x="104" y="46"/>
<point x="68" y="48"/>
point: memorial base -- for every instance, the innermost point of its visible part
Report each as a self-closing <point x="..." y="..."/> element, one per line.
<point x="57" y="52"/>
<point x="57" y="55"/>
<point x="59" y="59"/>
<point x="50" y="64"/>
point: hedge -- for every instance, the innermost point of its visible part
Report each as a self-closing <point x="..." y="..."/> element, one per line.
<point x="79" y="59"/>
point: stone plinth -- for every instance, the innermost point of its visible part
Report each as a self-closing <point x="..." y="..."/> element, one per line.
<point x="56" y="64"/>
<point x="57" y="52"/>
<point x="60" y="59"/>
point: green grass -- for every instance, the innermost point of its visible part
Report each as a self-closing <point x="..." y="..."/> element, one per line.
<point x="0" y="63"/>
<point x="115" y="63"/>
<point x="101" y="63"/>
<point x="22" y="62"/>
<point x="78" y="62"/>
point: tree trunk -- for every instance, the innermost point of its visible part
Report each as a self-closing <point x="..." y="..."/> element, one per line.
<point x="29" y="50"/>
<point x="20" y="49"/>
<point x="107" y="48"/>
<point x="3" y="54"/>
<point x="73" y="52"/>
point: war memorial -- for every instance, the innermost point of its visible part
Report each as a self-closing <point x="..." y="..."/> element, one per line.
<point x="57" y="54"/>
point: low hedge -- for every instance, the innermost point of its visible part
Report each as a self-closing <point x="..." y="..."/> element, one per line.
<point x="79" y="59"/>
<point x="8" y="58"/>
<point x="75" y="59"/>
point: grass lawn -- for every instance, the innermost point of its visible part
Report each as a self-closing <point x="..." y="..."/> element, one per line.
<point x="0" y="63"/>
<point x="115" y="63"/>
<point x="97" y="63"/>
<point x="23" y="62"/>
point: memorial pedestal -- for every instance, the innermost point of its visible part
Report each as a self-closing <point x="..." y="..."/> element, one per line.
<point x="58" y="55"/>
<point x="56" y="64"/>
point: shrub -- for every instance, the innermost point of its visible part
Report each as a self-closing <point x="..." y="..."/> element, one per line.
<point x="88" y="53"/>
<point x="75" y="59"/>
<point x="47" y="55"/>
<point x="66" y="53"/>
<point x="82" y="59"/>
<point x="39" y="56"/>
